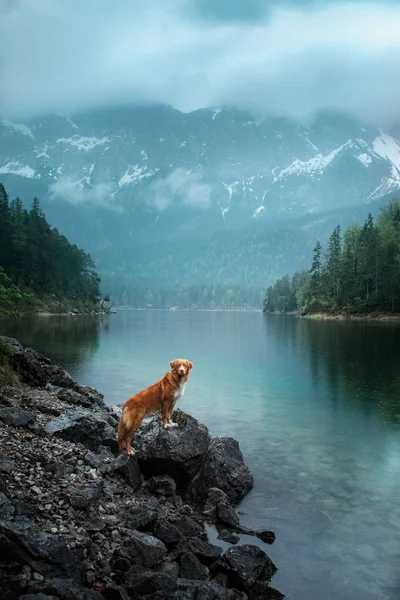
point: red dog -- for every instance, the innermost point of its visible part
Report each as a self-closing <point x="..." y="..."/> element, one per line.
<point x="162" y="396"/>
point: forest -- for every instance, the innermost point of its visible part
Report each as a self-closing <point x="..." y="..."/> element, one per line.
<point x="38" y="265"/>
<point x="358" y="272"/>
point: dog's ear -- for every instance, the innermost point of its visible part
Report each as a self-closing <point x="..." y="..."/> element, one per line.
<point x="172" y="364"/>
<point x="190" y="364"/>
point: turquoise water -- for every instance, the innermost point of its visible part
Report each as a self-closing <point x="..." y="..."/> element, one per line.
<point x="315" y="406"/>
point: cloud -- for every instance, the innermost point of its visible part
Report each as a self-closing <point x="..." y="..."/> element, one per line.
<point x="99" y="194"/>
<point x="293" y="59"/>
<point x="179" y="188"/>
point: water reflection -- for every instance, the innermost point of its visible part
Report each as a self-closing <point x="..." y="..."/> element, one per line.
<point x="67" y="340"/>
<point x="354" y="361"/>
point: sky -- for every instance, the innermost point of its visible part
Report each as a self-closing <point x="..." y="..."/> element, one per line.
<point x="270" y="57"/>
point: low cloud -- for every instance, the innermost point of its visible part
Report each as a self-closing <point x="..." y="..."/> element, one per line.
<point x="293" y="58"/>
<point x="179" y="188"/>
<point x="75" y="193"/>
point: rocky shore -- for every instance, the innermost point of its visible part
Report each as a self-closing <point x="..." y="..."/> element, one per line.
<point x="81" y="521"/>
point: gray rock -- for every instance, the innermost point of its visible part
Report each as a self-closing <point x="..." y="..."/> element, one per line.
<point x="191" y="567"/>
<point x="83" y="497"/>
<point x="6" y="464"/>
<point x="144" y="582"/>
<point x="141" y="549"/>
<point x="166" y="531"/>
<point x="226" y="514"/>
<point x="84" y="426"/>
<point x="174" y="452"/>
<point x="223" y="467"/>
<point x="17" y="418"/>
<point x="140" y="517"/>
<point x="163" y="485"/>
<point x="67" y="589"/>
<point x="128" y="467"/>
<point x="228" y="536"/>
<point x="202" y="590"/>
<point x="43" y="552"/>
<point x="245" y="565"/>
<point x="72" y="397"/>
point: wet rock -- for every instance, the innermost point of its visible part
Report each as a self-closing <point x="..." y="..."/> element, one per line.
<point x="223" y="467"/>
<point x="25" y="543"/>
<point x="163" y="485"/>
<point x="204" y="550"/>
<point x="245" y="565"/>
<point x="188" y="527"/>
<point x="128" y="467"/>
<point x="191" y="567"/>
<point x="141" y="549"/>
<point x="86" y="427"/>
<point x="228" y="536"/>
<point x="226" y="514"/>
<point x="16" y="418"/>
<point x="262" y="591"/>
<point x="7" y="508"/>
<point x="195" y="590"/>
<point x="148" y="582"/>
<point x="174" y="452"/>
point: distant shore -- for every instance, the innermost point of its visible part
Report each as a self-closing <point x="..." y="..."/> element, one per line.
<point x="343" y="316"/>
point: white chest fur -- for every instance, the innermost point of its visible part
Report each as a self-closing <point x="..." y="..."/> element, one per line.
<point x="180" y="391"/>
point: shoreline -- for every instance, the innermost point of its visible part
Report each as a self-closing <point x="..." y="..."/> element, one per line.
<point x="340" y="316"/>
<point x="81" y="519"/>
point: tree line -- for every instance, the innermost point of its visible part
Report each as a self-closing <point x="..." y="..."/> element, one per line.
<point x="359" y="271"/>
<point x="36" y="260"/>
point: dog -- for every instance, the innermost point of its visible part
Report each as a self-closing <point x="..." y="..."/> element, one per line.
<point x="161" y="396"/>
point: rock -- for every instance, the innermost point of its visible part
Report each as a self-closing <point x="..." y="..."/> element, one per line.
<point x="215" y="496"/>
<point x="188" y="527"/>
<point x="92" y="459"/>
<point x="72" y="397"/>
<point x="163" y="485"/>
<point x="227" y="515"/>
<point x="174" y="452"/>
<point x="262" y="591"/>
<point x="93" y="395"/>
<point x="35" y="369"/>
<point x="43" y="552"/>
<point x="228" y="536"/>
<point x="67" y="589"/>
<point x="6" y="464"/>
<point x="167" y="532"/>
<point x="86" y="427"/>
<point x="204" y="550"/>
<point x="223" y="467"/>
<point x="82" y="498"/>
<point x="17" y="418"/>
<point x="140" y="517"/>
<point x="141" y="549"/>
<point x="128" y="467"/>
<point x="114" y="592"/>
<point x="195" y="590"/>
<point x="191" y="567"/>
<point x="7" y="508"/>
<point x="148" y="582"/>
<point x="245" y="565"/>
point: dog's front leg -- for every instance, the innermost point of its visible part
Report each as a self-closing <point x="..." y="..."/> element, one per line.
<point x="165" y="415"/>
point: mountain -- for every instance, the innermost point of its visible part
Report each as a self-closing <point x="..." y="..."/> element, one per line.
<point x="125" y="183"/>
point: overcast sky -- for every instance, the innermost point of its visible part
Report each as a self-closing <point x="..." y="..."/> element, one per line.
<point x="286" y="57"/>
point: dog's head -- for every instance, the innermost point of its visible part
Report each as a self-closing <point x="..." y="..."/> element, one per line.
<point x="181" y="366"/>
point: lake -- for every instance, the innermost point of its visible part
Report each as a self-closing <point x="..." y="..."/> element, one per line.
<point x="315" y="406"/>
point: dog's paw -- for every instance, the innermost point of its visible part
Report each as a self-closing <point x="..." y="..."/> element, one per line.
<point x="172" y="424"/>
<point x="131" y="452"/>
<point x="167" y="426"/>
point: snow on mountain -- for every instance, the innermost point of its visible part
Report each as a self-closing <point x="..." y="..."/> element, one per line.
<point x="232" y="169"/>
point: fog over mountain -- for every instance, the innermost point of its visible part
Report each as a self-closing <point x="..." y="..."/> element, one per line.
<point x="184" y="128"/>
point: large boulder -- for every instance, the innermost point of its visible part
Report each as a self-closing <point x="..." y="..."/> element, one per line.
<point x="175" y="452"/>
<point x="222" y="467"/>
<point x="23" y="542"/>
<point x="245" y="566"/>
<point x="88" y="427"/>
<point x="35" y="369"/>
